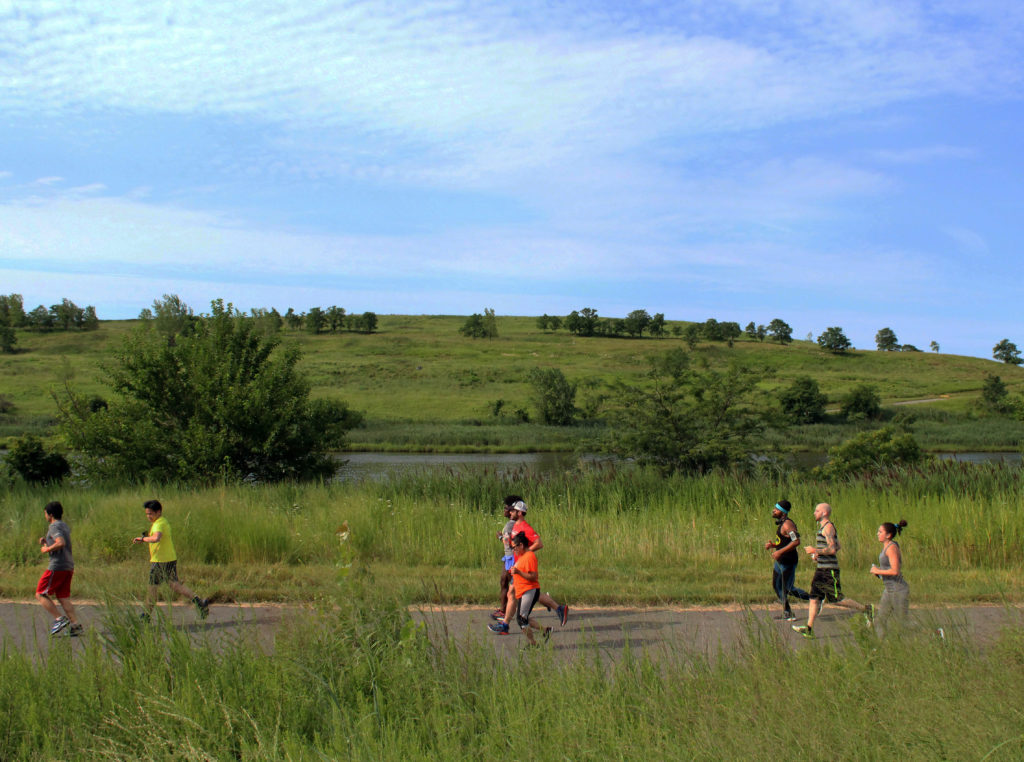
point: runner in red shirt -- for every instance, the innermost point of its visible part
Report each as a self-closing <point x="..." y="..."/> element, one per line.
<point x="517" y="512"/>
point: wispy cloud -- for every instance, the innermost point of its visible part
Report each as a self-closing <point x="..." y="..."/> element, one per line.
<point x="493" y="86"/>
<point x="924" y="154"/>
<point x="695" y="153"/>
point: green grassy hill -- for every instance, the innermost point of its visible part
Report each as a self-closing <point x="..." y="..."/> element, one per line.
<point x="424" y="386"/>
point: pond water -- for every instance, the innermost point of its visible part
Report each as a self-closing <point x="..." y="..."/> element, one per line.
<point x="376" y="465"/>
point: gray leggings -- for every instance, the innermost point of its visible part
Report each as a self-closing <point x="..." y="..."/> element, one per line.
<point x="893" y="608"/>
<point x="526" y="604"/>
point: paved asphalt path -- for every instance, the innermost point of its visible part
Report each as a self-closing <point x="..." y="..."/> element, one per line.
<point x="604" y="631"/>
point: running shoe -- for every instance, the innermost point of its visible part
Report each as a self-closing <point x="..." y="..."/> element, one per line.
<point x="804" y="630"/>
<point x="202" y="606"/>
<point x="75" y="630"/>
<point x="498" y="628"/>
<point x="563" y="614"/>
<point x="497" y="615"/>
<point x="869" y="615"/>
<point x="59" y="624"/>
<point x="789" y="616"/>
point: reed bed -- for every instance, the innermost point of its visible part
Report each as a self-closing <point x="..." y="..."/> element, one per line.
<point x="611" y="534"/>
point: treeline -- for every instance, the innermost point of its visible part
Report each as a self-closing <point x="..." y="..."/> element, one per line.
<point x="171" y="314"/>
<point x="587" y="322"/>
<point x="330" y="320"/>
<point x="58" y="317"/>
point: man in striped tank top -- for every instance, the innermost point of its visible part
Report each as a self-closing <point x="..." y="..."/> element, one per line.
<point x="825" y="585"/>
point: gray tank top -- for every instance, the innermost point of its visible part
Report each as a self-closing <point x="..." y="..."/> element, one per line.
<point x="891" y="583"/>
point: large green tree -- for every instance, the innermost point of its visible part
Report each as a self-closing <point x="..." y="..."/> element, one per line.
<point x="780" y="331"/>
<point x="1006" y="351"/>
<point x="686" y="419"/>
<point x="637" y="322"/>
<point x="886" y="340"/>
<point x="834" y="340"/>
<point x="221" y="400"/>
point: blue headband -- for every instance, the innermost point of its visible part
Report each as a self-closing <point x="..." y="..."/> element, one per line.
<point x="784" y="510"/>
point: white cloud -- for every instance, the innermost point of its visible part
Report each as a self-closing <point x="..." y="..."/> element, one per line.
<point x="484" y="88"/>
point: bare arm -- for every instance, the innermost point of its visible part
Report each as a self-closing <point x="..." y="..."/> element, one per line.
<point x="788" y="528"/>
<point x="58" y="543"/>
<point x="895" y="561"/>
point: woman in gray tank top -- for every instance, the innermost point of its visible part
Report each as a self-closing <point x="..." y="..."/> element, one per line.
<point x="895" y="601"/>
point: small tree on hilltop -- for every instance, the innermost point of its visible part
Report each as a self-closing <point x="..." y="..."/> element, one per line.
<point x="934" y="346"/>
<point x="479" y="326"/>
<point x="636" y="322"/>
<point x="834" y="340"/>
<point x="780" y="331"/>
<point x="1006" y="351"/>
<point x="886" y="340"/>
<point x="8" y="338"/>
<point x="657" y="326"/>
<point x="316" y="321"/>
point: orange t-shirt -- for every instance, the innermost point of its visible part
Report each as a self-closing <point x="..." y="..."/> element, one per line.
<point x="526" y="563"/>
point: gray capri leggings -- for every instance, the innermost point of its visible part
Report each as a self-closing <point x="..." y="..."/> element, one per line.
<point x="526" y="604"/>
<point x="893" y="608"/>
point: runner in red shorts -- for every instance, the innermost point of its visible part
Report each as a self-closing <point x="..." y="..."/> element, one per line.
<point x="56" y="580"/>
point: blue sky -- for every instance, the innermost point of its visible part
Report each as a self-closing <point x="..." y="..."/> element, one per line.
<point x="852" y="163"/>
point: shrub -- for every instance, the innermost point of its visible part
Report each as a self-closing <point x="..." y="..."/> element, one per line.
<point x="871" y="451"/>
<point x="862" y="402"/>
<point x="803" y="401"/>
<point x="30" y="460"/>
<point x="554" y="396"/>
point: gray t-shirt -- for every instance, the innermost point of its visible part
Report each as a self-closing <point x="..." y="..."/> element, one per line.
<point x="506" y="537"/>
<point x="60" y="559"/>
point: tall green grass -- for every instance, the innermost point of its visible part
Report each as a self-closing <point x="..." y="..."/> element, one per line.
<point x="361" y="682"/>
<point x="611" y="535"/>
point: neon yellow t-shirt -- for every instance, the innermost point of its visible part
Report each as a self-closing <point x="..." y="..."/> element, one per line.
<point x="163" y="551"/>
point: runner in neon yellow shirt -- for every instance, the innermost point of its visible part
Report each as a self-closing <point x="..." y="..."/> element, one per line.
<point x="163" y="561"/>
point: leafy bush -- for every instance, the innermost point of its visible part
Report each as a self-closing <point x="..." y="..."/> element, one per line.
<point x="554" y="396"/>
<point x="803" y="401"/>
<point x="217" y="400"/>
<point x="862" y="402"/>
<point x="686" y="420"/>
<point x="30" y="460"/>
<point x="870" y="451"/>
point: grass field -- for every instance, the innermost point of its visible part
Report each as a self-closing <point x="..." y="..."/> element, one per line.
<point x="359" y="681"/>
<point x="424" y="387"/>
<point x="611" y="535"/>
